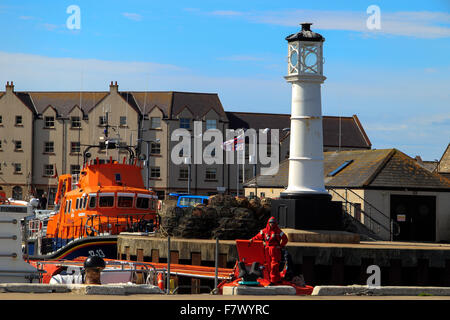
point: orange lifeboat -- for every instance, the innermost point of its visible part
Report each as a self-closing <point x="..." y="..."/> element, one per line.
<point x="105" y="199"/>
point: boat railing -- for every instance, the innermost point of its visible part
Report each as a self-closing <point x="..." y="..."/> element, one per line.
<point x="127" y="271"/>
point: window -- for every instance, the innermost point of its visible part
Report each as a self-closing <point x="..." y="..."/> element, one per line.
<point x="49" y="147"/>
<point x="17" y="193"/>
<point x="17" y="168"/>
<point x="125" y="202"/>
<point x="184" y="123"/>
<point x="142" y="203"/>
<point x="102" y="120"/>
<point x="184" y="173"/>
<point x="75" y="122"/>
<point x="75" y="147"/>
<point x="155" y="122"/>
<point x="92" y="201"/>
<point x="123" y="121"/>
<point x="155" y="148"/>
<point x="155" y="172"/>
<point x="48" y="170"/>
<point x="262" y="194"/>
<point x="19" y="120"/>
<point x="340" y="168"/>
<point x="49" y="122"/>
<point x="1" y="120"/>
<point x="51" y="196"/>
<point x="106" y="201"/>
<point x="18" y="145"/>
<point x="0" y="144"/>
<point x="211" y="124"/>
<point x="74" y="169"/>
<point x="210" y="174"/>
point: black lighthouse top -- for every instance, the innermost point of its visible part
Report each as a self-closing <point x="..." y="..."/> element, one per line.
<point x="305" y="34"/>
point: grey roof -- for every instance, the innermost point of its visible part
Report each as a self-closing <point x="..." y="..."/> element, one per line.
<point x="384" y="168"/>
<point x="351" y="131"/>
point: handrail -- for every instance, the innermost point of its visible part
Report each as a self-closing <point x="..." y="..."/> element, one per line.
<point x="366" y="202"/>
<point x="365" y="214"/>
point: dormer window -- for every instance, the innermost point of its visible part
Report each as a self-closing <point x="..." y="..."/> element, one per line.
<point x="185" y="123"/>
<point x="155" y="122"/>
<point x="19" y="121"/>
<point x="49" y="122"/>
<point x="211" y="124"/>
<point x="75" y="122"/>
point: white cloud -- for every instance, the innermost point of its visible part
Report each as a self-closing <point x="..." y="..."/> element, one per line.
<point x="420" y="24"/>
<point x="241" y="58"/>
<point x="132" y="16"/>
<point x="226" y="13"/>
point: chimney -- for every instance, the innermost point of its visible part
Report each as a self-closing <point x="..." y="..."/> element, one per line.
<point x="9" y="87"/>
<point x="113" y="87"/>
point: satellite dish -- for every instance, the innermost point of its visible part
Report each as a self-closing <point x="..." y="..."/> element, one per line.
<point x="88" y="154"/>
<point x="142" y="157"/>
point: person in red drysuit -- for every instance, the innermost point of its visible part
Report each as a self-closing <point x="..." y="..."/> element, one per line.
<point x="274" y="240"/>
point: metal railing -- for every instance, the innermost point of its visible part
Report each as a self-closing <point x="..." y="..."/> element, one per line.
<point x="354" y="209"/>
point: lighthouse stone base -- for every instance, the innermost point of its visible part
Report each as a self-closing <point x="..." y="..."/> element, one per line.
<point x="307" y="212"/>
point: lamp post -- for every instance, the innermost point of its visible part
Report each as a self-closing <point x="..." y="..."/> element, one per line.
<point x="147" y="182"/>
<point x="187" y="161"/>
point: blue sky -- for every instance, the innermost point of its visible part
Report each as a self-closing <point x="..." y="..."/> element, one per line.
<point x="395" y="79"/>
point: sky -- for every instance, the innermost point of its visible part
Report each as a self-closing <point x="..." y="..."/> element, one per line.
<point x="396" y="78"/>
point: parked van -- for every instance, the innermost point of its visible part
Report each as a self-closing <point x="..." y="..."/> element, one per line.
<point x="189" y="200"/>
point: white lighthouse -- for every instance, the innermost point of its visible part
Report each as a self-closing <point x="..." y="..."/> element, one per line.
<point x="306" y="204"/>
<point x="305" y="73"/>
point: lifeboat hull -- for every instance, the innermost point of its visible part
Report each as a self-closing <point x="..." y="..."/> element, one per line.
<point x="103" y="246"/>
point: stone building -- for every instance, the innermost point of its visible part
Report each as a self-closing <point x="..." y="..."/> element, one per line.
<point x="44" y="134"/>
<point x="386" y="190"/>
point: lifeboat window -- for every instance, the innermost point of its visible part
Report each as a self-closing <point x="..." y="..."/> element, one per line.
<point x="84" y="202"/>
<point x="70" y="206"/>
<point x="67" y="206"/>
<point x="118" y="177"/>
<point x="92" y="201"/>
<point x="125" y="202"/>
<point x="142" y="203"/>
<point x="77" y="204"/>
<point x="106" y="201"/>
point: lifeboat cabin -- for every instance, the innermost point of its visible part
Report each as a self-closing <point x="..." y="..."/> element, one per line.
<point x="104" y="199"/>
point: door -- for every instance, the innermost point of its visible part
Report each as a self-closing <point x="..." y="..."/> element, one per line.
<point x="416" y="217"/>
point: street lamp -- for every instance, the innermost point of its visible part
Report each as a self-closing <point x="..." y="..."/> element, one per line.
<point x="147" y="183"/>
<point x="187" y="161"/>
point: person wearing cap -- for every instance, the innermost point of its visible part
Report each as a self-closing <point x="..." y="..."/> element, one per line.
<point x="274" y="240"/>
<point x="93" y="266"/>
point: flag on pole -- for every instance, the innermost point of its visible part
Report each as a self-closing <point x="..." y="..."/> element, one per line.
<point x="56" y="172"/>
<point x="237" y="143"/>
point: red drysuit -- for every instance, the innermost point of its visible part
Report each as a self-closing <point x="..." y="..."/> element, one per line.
<point x="274" y="239"/>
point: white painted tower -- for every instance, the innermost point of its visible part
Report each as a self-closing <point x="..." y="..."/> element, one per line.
<point x="305" y="73"/>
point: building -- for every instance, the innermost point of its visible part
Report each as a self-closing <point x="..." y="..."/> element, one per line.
<point x="386" y="190"/>
<point x="44" y="134"/>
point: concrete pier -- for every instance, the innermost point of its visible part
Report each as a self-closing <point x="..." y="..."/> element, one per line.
<point x="321" y="263"/>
